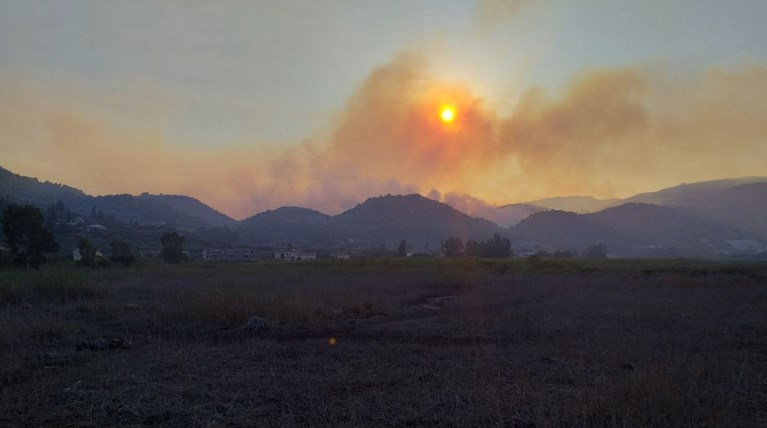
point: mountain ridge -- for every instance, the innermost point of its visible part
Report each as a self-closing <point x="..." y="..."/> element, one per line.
<point x="690" y="219"/>
<point x="183" y="211"/>
<point x="578" y="204"/>
<point x="635" y="229"/>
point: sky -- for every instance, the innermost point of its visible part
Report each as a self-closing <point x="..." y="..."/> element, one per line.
<point x="253" y="105"/>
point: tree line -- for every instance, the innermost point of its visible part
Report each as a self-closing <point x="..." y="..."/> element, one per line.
<point x="29" y="240"/>
<point x="495" y="247"/>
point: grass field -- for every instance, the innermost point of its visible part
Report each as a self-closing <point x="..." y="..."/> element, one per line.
<point x="388" y="343"/>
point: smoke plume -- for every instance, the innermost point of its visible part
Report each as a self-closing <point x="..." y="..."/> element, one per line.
<point x="611" y="132"/>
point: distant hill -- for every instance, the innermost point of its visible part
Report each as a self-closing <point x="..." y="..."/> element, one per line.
<point x="560" y="230"/>
<point x="301" y="227"/>
<point x="671" y="228"/>
<point x="509" y="215"/>
<point x="743" y="206"/>
<point x="504" y="216"/>
<point x="635" y="230"/>
<point x="381" y="220"/>
<point x="419" y="220"/>
<point x="26" y="190"/>
<point x="692" y="191"/>
<point x="714" y="218"/>
<point x="180" y="211"/>
<point x="739" y="203"/>
<point x="191" y="207"/>
<point x="576" y="204"/>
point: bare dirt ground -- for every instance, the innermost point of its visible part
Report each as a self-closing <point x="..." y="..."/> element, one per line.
<point x="387" y="343"/>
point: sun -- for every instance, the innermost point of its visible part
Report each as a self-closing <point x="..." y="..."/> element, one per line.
<point x="447" y="114"/>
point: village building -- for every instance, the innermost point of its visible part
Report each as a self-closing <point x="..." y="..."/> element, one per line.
<point x="77" y="221"/>
<point x="295" y="256"/>
<point x="232" y="254"/>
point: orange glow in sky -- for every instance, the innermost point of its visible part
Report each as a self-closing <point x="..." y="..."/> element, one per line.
<point x="447" y="114"/>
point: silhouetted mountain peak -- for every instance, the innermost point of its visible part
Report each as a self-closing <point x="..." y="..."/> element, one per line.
<point x="636" y="208"/>
<point x="289" y="214"/>
<point x="740" y="203"/>
<point x="183" y="211"/>
<point x="415" y="218"/>
<point x="716" y="217"/>
<point x="29" y="190"/>
<point x="634" y="229"/>
<point x="693" y="191"/>
<point x="548" y="216"/>
<point x="412" y="205"/>
<point x="578" y="204"/>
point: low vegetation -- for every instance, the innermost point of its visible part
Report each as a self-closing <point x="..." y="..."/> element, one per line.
<point x="399" y="341"/>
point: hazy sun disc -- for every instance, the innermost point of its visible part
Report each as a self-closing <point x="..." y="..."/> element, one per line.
<point x="447" y="114"/>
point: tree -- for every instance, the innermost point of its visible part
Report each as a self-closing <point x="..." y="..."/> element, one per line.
<point x="57" y="213"/>
<point x="50" y="218"/>
<point x="402" y="250"/>
<point x="5" y="257"/>
<point x="121" y="253"/>
<point x="595" y="252"/>
<point x="87" y="252"/>
<point x="473" y="248"/>
<point x="567" y="254"/>
<point x="27" y="238"/>
<point x="453" y="247"/>
<point x="172" y="247"/>
<point x="498" y="247"/>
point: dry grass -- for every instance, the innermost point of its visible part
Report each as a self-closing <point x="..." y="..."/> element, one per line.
<point x="448" y="343"/>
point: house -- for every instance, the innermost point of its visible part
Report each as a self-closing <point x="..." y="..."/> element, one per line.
<point x="78" y="221"/>
<point x="286" y="255"/>
<point x="232" y="254"/>
<point x="295" y="256"/>
<point x="307" y="256"/>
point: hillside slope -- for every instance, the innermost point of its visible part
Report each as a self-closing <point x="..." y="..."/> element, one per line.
<point x="576" y="204"/>
<point x="289" y="225"/>
<point x="738" y="203"/>
<point x="419" y="220"/>
<point x="634" y="230"/>
<point x="183" y="212"/>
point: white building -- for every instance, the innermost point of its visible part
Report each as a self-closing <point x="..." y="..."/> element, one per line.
<point x="229" y="254"/>
<point x="295" y="256"/>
